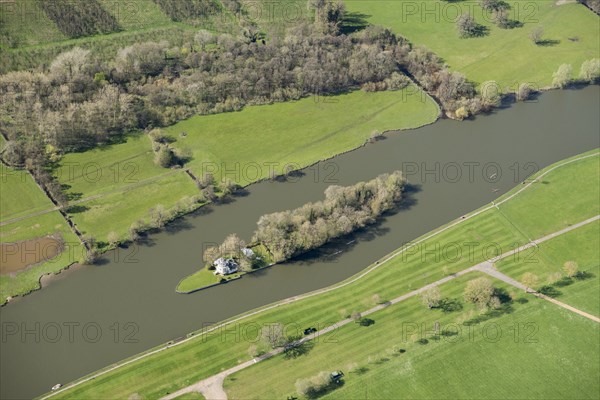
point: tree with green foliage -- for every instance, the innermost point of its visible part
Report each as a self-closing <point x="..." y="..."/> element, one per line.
<point x="590" y="70"/>
<point x="466" y="25"/>
<point x="164" y="157"/>
<point x="345" y="209"/>
<point x="479" y="291"/>
<point x="562" y="77"/>
<point x="494" y="5"/>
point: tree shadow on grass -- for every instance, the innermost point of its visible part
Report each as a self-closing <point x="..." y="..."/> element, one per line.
<point x="448" y="305"/>
<point x="550" y="291"/>
<point x="353" y="22"/>
<point x="566" y="281"/>
<point x="366" y="322"/>
<point x="296" y="349"/>
<point x="76" y="209"/>
<point x="477" y="32"/>
<point x="513" y="23"/>
<point x="326" y="390"/>
<point x="584" y="275"/>
<point x="490" y="314"/>
<point x="361" y="370"/>
<point x="548" y="42"/>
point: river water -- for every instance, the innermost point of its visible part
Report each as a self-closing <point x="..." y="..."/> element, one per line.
<point x="93" y="316"/>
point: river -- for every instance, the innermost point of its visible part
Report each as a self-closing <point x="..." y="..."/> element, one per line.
<point x="92" y="316"/>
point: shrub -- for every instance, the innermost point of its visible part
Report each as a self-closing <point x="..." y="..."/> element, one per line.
<point x="164" y="157"/>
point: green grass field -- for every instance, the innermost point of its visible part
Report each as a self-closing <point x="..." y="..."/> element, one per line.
<point x="580" y="246"/>
<point x="30" y="39"/>
<point x="191" y="361"/>
<point x="507" y="56"/>
<point x="44" y="225"/>
<point x="530" y="213"/>
<point x="24" y="23"/>
<point x="490" y="359"/>
<point x="296" y="134"/>
<point x="113" y="186"/>
<point x="19" y="197"/>
<point x="121" y="182"/>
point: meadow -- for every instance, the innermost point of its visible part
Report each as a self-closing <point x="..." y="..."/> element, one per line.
<point x="20" y="194"/>
<point x="172" y="369"/>
<point x="249" y="145"/>
<point x="50" y="224"/>
<point x="508" y="56"/>
<point x="29" y="38"/>
<point x="548" y="259"/>
<point x="512" y="353"/>
<point x="20" y="197"/>
<point x="113" y="186"/>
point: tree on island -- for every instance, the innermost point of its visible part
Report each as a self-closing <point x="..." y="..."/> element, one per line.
<point x="230" y="248"/>
<point x="344" y="210"/>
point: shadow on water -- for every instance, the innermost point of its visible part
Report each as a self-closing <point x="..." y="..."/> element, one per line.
<point x="333" y="250"/>
<point x="178" y="225"/>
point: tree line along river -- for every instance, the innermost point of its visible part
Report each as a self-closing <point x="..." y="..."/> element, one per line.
<point x="93" y="316"/>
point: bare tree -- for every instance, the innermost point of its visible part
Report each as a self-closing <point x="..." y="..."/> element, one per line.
<point x="571" y="268"/>
<point x="523" y="92"/>
<point x="479" y="291"/>
<point x="530" y="280"/>
<point x="562" y="77"/>
<point x="204" y="37"/>
<point x="466" y="25"/>
<point x="273" y="335"/>
<point x="590" y="70"/>
<point x="69" y="65"/>
<point x="536" y="34"/>
<point x="431" y="297"/>
<point x="113" y="238"/>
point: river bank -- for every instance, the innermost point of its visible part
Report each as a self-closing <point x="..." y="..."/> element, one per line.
<point x="136" y="284"/>
<point x="317" y="307"/>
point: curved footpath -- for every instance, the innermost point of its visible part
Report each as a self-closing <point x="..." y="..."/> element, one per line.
<point x="320" y="291"/>
<point x="212" y="388"/>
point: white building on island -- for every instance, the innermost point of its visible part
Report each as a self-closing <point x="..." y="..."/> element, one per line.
<point x="225" y="266"/>
<point x="248" y="252"/>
